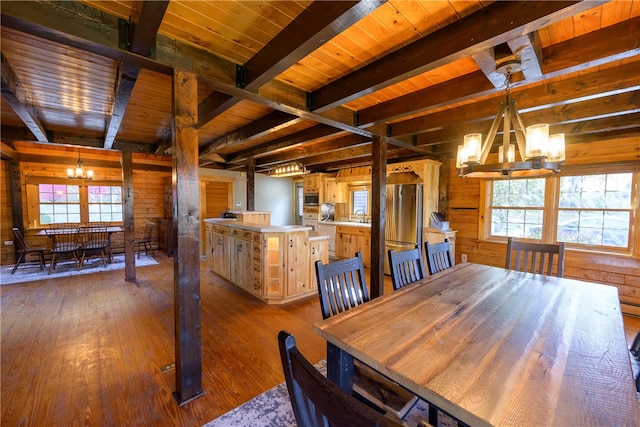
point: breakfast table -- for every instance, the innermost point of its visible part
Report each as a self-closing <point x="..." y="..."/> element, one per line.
<point x="495" y="347"/>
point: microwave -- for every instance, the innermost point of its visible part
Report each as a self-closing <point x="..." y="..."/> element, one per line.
<point x="311" y="199"/>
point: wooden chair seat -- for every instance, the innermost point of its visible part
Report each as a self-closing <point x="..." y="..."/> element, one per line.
<point x="67" y="243"/>
<point x="318" y="402"/>
<point x="535" y="257"/>
<point x="96" y="239"/>
<point x="23" y="250"/>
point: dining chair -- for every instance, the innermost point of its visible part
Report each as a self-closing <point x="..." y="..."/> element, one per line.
<point x="316" y="400"/>
<point x="145" y="240"/>
<point x="342" y="285"/>
<point x="535" y="257"/>
<point x="439" y="257"/>
<point x="23" y="250"/>
<point x="66" y="243"/>
<point x="96" y="239"/>
<point x="406" y="267"/>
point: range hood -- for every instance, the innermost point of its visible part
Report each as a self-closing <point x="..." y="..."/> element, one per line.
<point x="354" y="175"/>
<point x="409" y="177"/>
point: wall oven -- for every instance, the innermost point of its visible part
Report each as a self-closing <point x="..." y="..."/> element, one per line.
<point x="311" y="199"/>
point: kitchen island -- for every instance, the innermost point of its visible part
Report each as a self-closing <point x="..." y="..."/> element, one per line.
<point x="273" y="263"/>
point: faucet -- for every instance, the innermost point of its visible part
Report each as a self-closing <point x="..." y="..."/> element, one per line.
<point x="362" y="220"/>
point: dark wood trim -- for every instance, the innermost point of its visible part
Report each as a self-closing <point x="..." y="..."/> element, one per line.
<point x="186" y="208"/>
<point x="19" y="100"/>
<point x="128" y="216"/>
<point x="251" y="184"/>
<point x="378" y="213"/>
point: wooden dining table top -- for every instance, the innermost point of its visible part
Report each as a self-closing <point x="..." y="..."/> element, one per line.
<point x="61" y="230"/>
<point x="497" y="347"/>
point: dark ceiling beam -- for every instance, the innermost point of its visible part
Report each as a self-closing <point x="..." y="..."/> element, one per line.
<point x="598" y="84"/>
<point x="591" y="49"/>
<point x="20" y="101"/>
<point x="318" y="23"/>
<point x="80" y="26"/>
<point x="267" y="124"/>
<point x="284" y="142"/>
<point x="146" y="18"/>
<point x="301" y="151"/>
<point x="564" y="118"/>
<point x="8" y="153"/>
<point x="393" y="156"/>
<point x="488" y="27"/>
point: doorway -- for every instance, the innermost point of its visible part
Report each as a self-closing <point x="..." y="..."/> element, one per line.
<point x="216" y="197"/>
<point x="298" y="202"/>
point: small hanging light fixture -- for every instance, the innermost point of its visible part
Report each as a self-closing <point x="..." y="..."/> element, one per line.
<point x="79" y="172"/>
<point x="541" y="153"/>
<point x="288" y="169"/>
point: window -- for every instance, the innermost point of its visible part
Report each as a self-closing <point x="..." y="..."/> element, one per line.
<point x="591" y="211"/>
<point x="55" y="200"/>
<point x="105" y="203"/>
<point x="517" y="207"/>
<point x="59" y="203"/>
<point x="360" y="201"/>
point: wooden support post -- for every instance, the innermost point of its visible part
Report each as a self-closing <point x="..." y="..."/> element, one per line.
<point x="378" y="213"/>
<point x="251" y="184"/>
<point x="127" y="187"/>
<point x="16" y="194"/>
<point x="186" y="258"/>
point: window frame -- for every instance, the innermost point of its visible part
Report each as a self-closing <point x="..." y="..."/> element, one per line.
<point x="551" y="209"/>
<point x="33" y="197"/>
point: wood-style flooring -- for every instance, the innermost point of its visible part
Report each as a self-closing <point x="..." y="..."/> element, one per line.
<point x="90" y="350"/>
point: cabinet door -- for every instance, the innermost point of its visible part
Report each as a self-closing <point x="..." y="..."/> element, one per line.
<point x="343" y="245"/>
<point x="242" y="263"/>
<point x="272" y="265"/>
<point x="319" y="252"/>
<point x="220" y="255"/>
<point x="297" y="263"/>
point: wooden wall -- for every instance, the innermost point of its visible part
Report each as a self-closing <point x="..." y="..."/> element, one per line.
<point x="148" y="201"/>
<point x="464" y="214"/>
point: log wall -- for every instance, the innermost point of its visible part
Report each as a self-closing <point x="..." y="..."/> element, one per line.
<point x="622" y="271"/>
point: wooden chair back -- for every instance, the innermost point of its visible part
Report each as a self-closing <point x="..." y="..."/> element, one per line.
<point x="96" y="238"/>
<point x="23" y="249"/>
<point x="316" y="400"/>
<point x="406" y="267"/>
<point x="148" y="231"/>
<point x="65" y="242"/>
<point x="439" y="256"/>
<point x="18" y="238"/>
<point x="341" y="285"/>
<point x="535" y="257"/>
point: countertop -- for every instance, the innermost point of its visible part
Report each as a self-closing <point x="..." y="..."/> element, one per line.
<point x="346" y="224"/>
<point x="261" y="228"/>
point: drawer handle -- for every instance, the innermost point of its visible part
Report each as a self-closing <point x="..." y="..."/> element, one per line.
<point x="290" y="243"/>
<point x="313" y="250"/>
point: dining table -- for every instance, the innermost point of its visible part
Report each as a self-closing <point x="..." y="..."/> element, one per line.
<point x="495" y="347"/>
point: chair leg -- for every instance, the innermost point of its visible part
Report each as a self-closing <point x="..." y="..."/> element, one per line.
<point x="52" y="266"/>
<point x="15" y="267"/>
<point x="42" y="263"/>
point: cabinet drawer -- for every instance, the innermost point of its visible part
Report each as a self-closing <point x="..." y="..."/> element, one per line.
<point x="351" y="230"/>
<point x="220" y="230"/>
<point x="242" y="234"/>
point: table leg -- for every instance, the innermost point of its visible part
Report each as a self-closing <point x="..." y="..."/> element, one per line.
<point x="340" y="367"/>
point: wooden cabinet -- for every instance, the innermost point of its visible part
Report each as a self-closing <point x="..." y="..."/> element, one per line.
<point x="318" y="252"/>
<point x="273" y="265"/>
<point x="433" y="235"/>
<point x="254" y="217"/>
<point x="350" y="240"/>
<point x="329" y="230"/>
<point x="334" y="192"/>
<point x="297" y="262"/>
<point x="312" y="183"/>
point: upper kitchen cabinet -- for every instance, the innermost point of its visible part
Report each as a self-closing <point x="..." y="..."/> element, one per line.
<point x="312" y="183"/>
<point x="334" y="192"/>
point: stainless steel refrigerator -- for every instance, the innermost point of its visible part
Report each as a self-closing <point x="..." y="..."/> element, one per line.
<point x="404" y="219"/>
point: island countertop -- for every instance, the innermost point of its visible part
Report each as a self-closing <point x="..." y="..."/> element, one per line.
<point x="261" y="228"/>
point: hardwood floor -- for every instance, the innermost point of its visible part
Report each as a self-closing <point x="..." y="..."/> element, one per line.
<point x="89" y="350"/>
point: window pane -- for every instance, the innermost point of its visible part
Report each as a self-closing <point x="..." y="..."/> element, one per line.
<point x="600" y="209"/>
<point x="104" y="202"/>
<point x="517" y="208"/>
<point x="360" y="199"/>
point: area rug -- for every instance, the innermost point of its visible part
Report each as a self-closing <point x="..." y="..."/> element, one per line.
<point x="273" y="409"/>
<point x="31" y="272"/>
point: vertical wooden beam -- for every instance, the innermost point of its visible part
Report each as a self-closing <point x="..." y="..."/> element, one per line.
<point x="378" y="213"/>
<point x="186" y="258"/>
<point x="251" y="184"/>
<point x="16" y="194"/>
<point x="128" y="197"/>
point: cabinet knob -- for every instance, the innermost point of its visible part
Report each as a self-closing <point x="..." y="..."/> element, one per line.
<point x="290" y="243"/>
<point x="313" y="250"/>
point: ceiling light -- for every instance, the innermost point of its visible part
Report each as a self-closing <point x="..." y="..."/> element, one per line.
<point x="79" y="172"/>
<point x="540" y="153"/>
<point x="288" y="169"/>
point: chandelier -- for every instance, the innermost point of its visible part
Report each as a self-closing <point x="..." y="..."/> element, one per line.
<point x="288" y="169"/>
<point x="79" y="172"/>
<point x="540" y="153"/>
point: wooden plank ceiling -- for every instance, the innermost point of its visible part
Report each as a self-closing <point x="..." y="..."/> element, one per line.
<point x="313" y="81"/>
